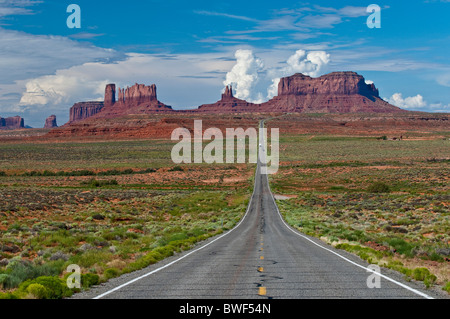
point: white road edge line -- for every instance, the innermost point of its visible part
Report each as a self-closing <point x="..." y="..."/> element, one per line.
<point x="344" y="258"/>
<point x="190" y="253"/>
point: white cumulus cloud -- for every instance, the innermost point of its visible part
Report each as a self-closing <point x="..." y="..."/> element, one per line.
<point x="411" y="102"/>
<point x="244" y="75"/>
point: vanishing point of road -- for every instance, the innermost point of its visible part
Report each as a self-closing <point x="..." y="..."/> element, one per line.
<point x="262" y="257"/>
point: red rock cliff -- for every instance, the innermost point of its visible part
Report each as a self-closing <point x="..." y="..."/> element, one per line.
<point x="82" y="110"/>
<point x="229" y="104"/>
<point x="137" y="94"/>
<point x="110" y="95"/>
<point x="50" y="122"/>
<point x="11" y="123"/>
<point x="337" y="92"/>
<point x="336" y="83"/>
<point x="138" y="99"/>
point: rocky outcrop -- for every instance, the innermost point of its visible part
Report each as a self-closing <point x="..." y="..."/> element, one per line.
<point x="137" y="94"/>
<point x="337" y="92"/>
<point x="11" y="123"/>
<point x="336" y="83"/>
<point x="83" y="110"/>
<point x="138" y="99"/>
<point x="50" y="122"/>
<point x="229" y="104"/>
<point x="110" y="95"/>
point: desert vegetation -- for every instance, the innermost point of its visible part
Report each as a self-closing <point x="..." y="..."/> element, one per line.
<point x="384" y="200"/>
<point x="107" y="213"/>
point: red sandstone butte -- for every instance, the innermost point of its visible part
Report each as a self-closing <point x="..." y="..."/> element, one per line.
<point x="138" y="99"/>
<point x="337" y="92"/>
<point x="11" y="123"/>
<point x="83" y="110"/>
<point x="229" y="104"/>
<point x="110" y="95"/>
<point x="50" y="122"/>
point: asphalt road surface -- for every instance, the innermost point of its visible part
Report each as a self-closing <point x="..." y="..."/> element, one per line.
<point x="262" y="257"/>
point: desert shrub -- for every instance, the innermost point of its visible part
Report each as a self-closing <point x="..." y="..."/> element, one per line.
<point x="18" y="272"/>
<point x="378" y="187"/>
<point x="88" y="280"/>
<point x="100" y="183"/>
<point x="401" y="246"/>
<point x="3" y="278"/>
<point x="8" y="295"/>
<point x="111" y="273"/>
<point x="53" y="287"/>
<point x="447" y="287"/>
<point x="38" y="291"/>
<point x="2" y="173"/>
<point x="423" y="274"/>
<point x="98" y="217"/>
<point x="91" y="257"/>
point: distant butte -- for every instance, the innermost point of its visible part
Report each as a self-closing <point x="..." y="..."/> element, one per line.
<point x="11" y="123"/>
<point x="138" y="99"/>
<point x="337" y="92"/>
<point x="50" y="122"/>
<point x="228" y="104"/>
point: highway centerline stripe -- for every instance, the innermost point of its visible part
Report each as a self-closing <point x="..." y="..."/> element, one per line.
<point x="262" y="291"/>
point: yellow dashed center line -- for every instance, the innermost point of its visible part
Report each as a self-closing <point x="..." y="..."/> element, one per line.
<point x="262" y="291"/>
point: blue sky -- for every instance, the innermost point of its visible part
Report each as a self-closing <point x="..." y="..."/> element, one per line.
<point x="191" y="49"/>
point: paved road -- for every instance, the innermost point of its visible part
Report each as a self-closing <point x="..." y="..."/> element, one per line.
<point x="261" y="258"/>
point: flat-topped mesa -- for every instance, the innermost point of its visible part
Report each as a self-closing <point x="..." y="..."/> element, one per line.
<point x="335" y="83"/>
<point x="82" y="110"/>
<point x="137" y="94"/>
<point x="337" y="92"/>
<point x="12" y="123"/>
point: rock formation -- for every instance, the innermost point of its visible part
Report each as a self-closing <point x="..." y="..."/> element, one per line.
<point x="50" y="122"/>
<point x="337" y="83"/>
<point x="137" y="94"/>
<point x="11" y="123"/>
<point x="337" y="92"/>
<point x="110" y="95"/>
<point x="83" y="110"/>
<point x="228" y="104"/>
<point x="138" y="99"/>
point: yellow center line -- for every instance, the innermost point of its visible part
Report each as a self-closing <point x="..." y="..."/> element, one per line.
<point x="262" y="291"/>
